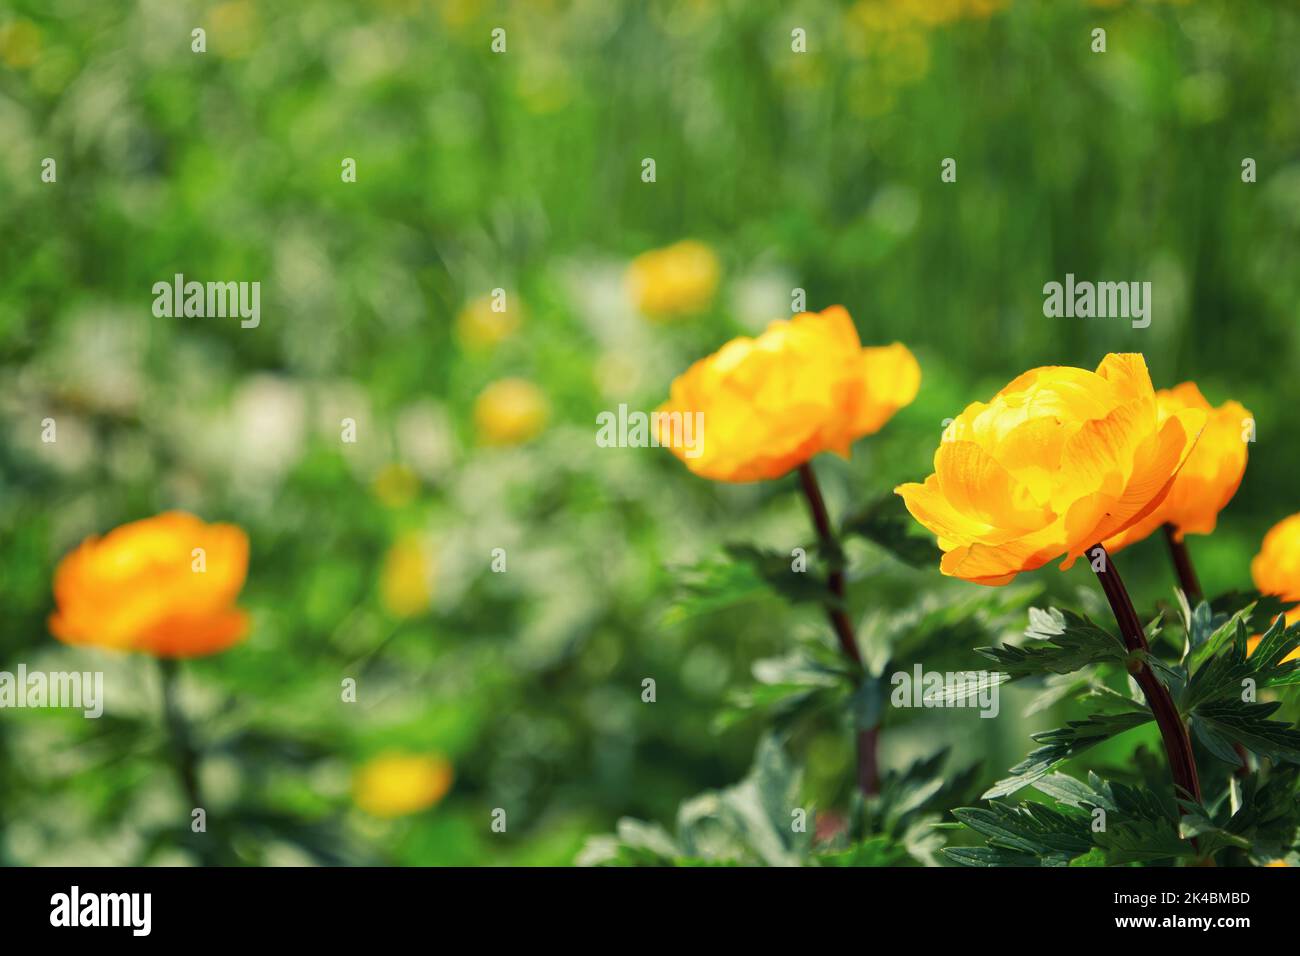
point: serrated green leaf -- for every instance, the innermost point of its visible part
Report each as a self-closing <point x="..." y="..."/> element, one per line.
<point x="1248" y="725"/>
<point x="989" y="856"/>
<point x="1064" y="743"/>
<point x="1060" y="642"/>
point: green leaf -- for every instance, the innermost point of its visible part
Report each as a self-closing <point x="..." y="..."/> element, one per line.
<point x="1267" y="606"/>
<point x="1136" y="826"/>
<point x="922" y="788"/>
<point x="887" y="523"/>
<point x="1269" y="662"/>
<point x="1050" y="834"/>
<point x="989" y="856"/>
<point x="1215" y="741"/>
<point x="745" y="573"/>
<point x="776" y="568"/>
<point x="1094" y="857"/>
<point x="807" y="680"/>
<point x="749" y="823"/>
<point x="1248" y="725"/>
<point x="1075" y="793"/>
<point x="1064" y="743"/>
<point x="1205" y="646"/>
<point x="875" y="851"/>
<point x="1061" y="642"/>
<point x="1223" y="675"/>
<point x="1269" y="814"/>
<point x="711" y="586"/>
<point x="650" y="837"/>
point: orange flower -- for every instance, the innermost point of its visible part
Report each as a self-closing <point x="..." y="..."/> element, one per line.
<point x="1056" y="462"/>
<point x="395" y="785"/>
<point x="164" y="586"/>
<point x="1211" y="475"/>
<point x="1276" y="569"/>
<point x="806" y="385"/>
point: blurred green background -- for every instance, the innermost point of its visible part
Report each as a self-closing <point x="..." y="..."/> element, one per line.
<point x="522" y="171"/>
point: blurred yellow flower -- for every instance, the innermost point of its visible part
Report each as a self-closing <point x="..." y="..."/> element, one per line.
<point x="1211" y="475"/>
<point x="480" y="326"/>
<point x="395" y="486"/>
<point x="677" y="280"/>
<point x="1060" y="460"/>
<point x="164" y="585"/>
<point x="806" y="385"/>
<point x="395" y="785"/>
<point x="406" y="581"/>
<point x="459" y="13"/>
<point x="932" y="12"/>
<point x="985" y="8"/>
<point x="20" y="44"/>
<point x="510" y="412"/>
<point x="883" y="16"/>
<point x="234" y="29"/>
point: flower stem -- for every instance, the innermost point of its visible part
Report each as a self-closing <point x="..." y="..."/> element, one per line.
<point x="1178" y="745"/>
<point x="1183" y="567"/>
<point x="867" y="739"/>
<point x="1191" y="586"/>
<point x="184" y="756"/>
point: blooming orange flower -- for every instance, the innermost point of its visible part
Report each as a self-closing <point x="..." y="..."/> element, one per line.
<point x="1276" y="570"/>
<point x="395" y="785"/>
<point x="806" y="385"/>
<point x="165" y="586"/>
<point x="1211" y="475"/>
<point x="1059" y="460"/>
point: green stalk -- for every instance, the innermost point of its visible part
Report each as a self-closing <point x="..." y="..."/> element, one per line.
<point x="184" y="756"/>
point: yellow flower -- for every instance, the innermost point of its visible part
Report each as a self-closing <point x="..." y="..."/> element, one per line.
<point x="674" y="281"/>
<point x="806" y="385"/>
<point x="1211" y="475"/>
<point x="510" y="412"/>
<point x="234" y="28"/>
<point x="1276" y="571"/>
<point x="394" y="785"/>
<point x="164" y="585"/>
<point x="20" y="44"/>
<point x="1058" y="461"/>
<point x="396" y="485"/>
<point x="480" y="326"/>
<point x="406" y="582"/>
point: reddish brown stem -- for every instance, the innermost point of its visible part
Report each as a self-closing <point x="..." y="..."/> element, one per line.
<point x="1178" y="745"/>
<point x="868" y="774"/>
<point x="1183" y="566"/>
<point x="1191" y="586"/>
